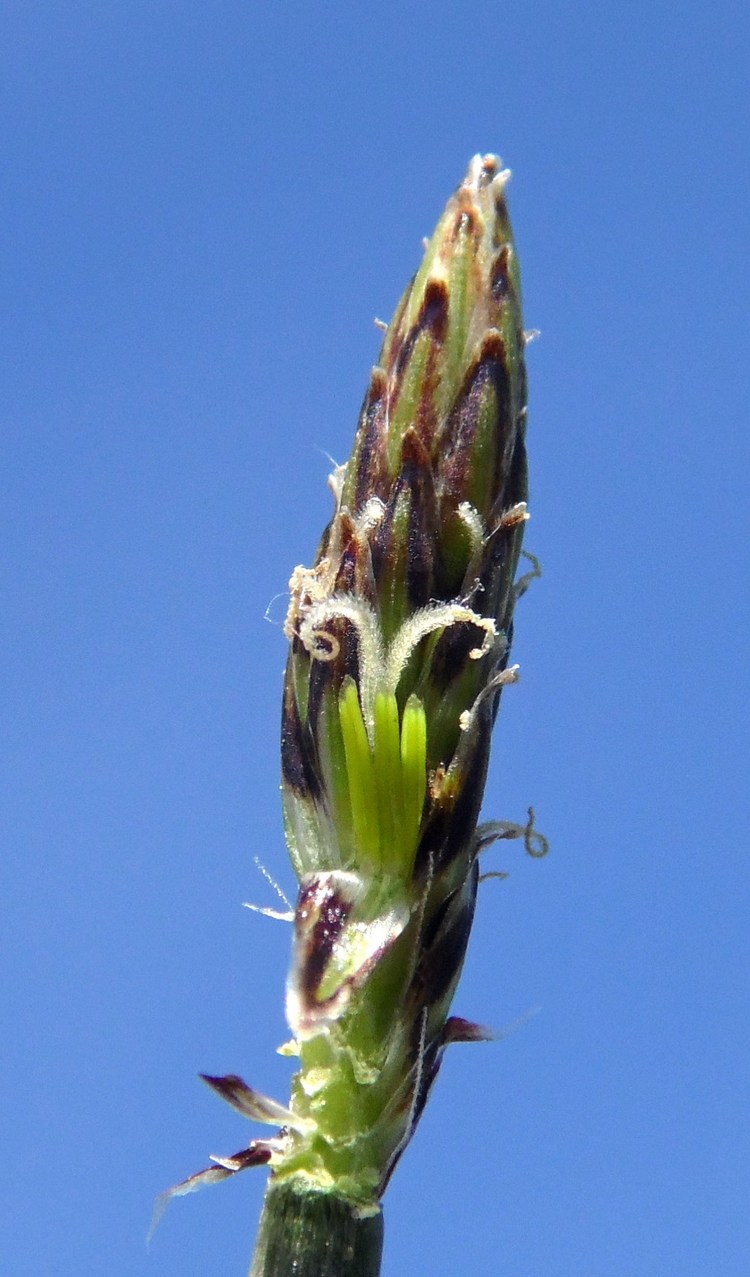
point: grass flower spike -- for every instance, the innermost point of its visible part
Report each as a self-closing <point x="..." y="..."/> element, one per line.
<point x="400" y="637"/>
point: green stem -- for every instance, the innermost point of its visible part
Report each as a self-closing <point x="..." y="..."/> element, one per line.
<point x="309" y="1234"/>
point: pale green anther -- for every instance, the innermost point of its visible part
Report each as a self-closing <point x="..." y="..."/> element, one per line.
<point x="413" y="763"/>
<point x="388" y="779"/>
<point x="334" y="768"/>
<point x="360" y="771"/>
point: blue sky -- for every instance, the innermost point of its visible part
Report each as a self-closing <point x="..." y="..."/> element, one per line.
<point x="203" y="208"/>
